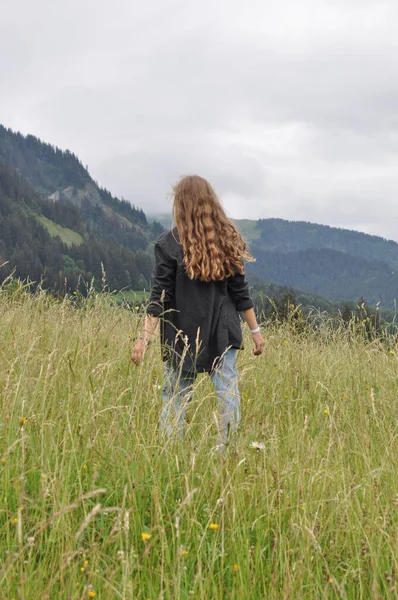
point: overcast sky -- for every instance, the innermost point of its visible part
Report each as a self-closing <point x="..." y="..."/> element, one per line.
<point x="289" y="107"/>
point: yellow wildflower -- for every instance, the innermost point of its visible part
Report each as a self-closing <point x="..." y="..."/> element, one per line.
<point x="82" y="569"/>
<point x="146" y="536"/>
<point x="392" y="352"/>
<point x="184" y="553"/>
<point x="330" y="580"/>
<point x="326" y="411"/>
<point x="85" y="564"/>
<point x="23" y="420"/>
<point x="15" y="520"/>
<point x="3" y="461"/>
<point x="235" y="568"/>
<point x="84" y="467"/>
<point x="213" y="526"/>
<point x="91" y="594"/>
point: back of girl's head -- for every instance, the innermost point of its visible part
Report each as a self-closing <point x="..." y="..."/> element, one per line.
<point x="213" y="248"/>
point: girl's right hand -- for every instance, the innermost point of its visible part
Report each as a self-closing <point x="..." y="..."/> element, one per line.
<point x="259" y="343"/>
<point x="138" y="353"/>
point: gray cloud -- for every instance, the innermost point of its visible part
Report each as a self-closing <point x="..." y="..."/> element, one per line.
<point x="290" y="109"/>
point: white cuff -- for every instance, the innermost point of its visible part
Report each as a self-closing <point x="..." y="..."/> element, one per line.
<point x="255" y="330"/>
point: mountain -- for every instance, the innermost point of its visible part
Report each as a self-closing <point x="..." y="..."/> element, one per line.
<point x="279" y="235"/>
<point x="26" y="244"/>
<point x="61" y="177"/>
<point x="57" y="223"/>
<point x="330" y="273"/>
<point x="336" y="263"/>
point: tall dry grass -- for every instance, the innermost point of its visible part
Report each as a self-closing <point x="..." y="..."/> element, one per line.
<point x="311" y="514"/>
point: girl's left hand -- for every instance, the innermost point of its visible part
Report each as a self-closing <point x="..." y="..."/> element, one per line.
<point x="259" y="343"/>
<point x="138" y="352"/>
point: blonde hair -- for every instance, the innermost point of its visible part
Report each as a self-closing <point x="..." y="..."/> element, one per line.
<point x="213" y="248"/>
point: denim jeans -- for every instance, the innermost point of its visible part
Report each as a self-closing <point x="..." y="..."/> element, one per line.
<point x="178" y="391"/>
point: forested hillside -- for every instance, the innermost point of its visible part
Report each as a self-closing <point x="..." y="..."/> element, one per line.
<point x="330" y="273"/>
<point x="289" y="236"/>
<point x="27" y="246"/>
<point x="336" y="263"/>
<point x="61" y="177"/>
<point x="57" y="225"/>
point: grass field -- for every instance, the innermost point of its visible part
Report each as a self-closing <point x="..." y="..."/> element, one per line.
<point x="130" y="296"/>
<point x="93" y="505"/>
<point x="68" y="236"/>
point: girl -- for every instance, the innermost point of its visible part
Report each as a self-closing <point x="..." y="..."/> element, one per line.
<point x="198" y="288"/>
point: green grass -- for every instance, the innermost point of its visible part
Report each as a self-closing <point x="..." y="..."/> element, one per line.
<point x="131" y="296"/>
<point x="83" y="474"/>
<point x="68" y="236"/>
<point x="248" y="228"/>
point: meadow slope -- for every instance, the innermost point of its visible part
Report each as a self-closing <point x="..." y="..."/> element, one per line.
<point x="93" y="505"/>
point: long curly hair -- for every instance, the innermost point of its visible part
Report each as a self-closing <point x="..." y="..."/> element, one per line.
<point x="213" y="248"/>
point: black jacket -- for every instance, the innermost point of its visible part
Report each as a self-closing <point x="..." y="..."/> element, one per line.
<point x="199" y="320"/>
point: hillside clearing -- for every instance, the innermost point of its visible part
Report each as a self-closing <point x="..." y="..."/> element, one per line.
<point x="249" y="229"/>
<point x="68" y="236"/>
